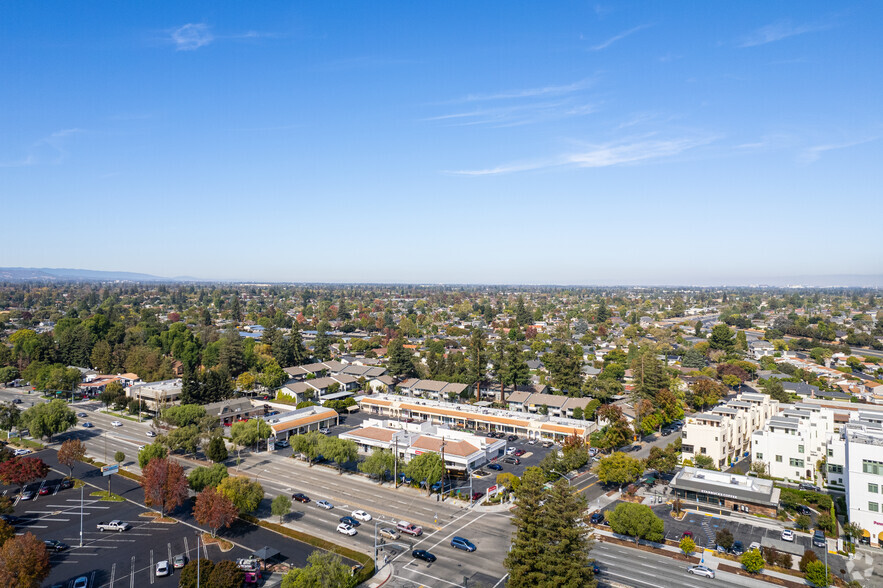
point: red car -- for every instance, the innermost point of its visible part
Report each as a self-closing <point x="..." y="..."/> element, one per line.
<point x="477" y="496"/>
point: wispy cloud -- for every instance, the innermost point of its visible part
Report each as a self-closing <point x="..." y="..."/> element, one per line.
<point x="777" y="32"/>
<point x="619" y="37"/>
<point x="48" y="150"/>
<point x="811" y="154"/>
<point x="602" y="155"/>
<point x="517" y="114"/>
<point x="191" y="36"/>
<point x="529" y="92"/>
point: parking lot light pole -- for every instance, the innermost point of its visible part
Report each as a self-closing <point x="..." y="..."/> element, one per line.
<point x="81" y="514"/>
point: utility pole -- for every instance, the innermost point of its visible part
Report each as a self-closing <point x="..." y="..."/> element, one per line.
<point x="444" y="469"/>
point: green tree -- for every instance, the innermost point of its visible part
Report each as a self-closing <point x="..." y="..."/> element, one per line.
<point x="248" y="433"/>
<point x="217" y="449"/>
<point x="51" y="418"/>
<point x="181" y="415"/>
<point x="818" y="574"/>
<point x="225" y="574"/>
<point x="803" y="521"/>
<point x="648" y="374"/>
<point x="637" y="520"/>
<point x="693" y="358"/>
<point x="524" y="560"/>
<point x="10" y="416"/>
<point x="706" y="462"/>
<point x="155" y="450"/>
<point x="566" y="560"/>
<point x="662" y="460"/>
<point x="426" y="466"/>
<point x="619" y="468"/>
<point x="721" y="338"/>
<point x="119" y="457"/>
<point x="323" y="570"/>
<point x="307" y="444"/>
<point x="752" y="560"/>
<point x="188" y="575"/>
<point x="809" y="556"/>
<point x="280" y="506"/>
<point x="185" y="439"/>
<point x="401" y="360"/>
<point x="245" y="494"/>
<point x="322" y="344"/>
<point x="340" y="451"/>
<point x="687" y="545"/>
<point x="379" y="464"/>
<point x="112" y="392"/>
<point x="207" y="477"/>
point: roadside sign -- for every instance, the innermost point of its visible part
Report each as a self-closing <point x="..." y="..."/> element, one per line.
<point x="110" y="469"/>
<point x="494" y="489"/>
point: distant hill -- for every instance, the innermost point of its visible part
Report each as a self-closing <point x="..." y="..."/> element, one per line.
<point x="47" y="274"/>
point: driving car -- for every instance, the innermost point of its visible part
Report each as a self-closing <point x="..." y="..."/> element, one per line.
<point x="361" y="515"/>
<point x="346" y="529"/>
<point x="16" y="401"/>
<point x="494" y="466"/>
<point x="81" y="582"/>
<point x="300" y="497"/>
<point x="595" y="569"/>
<point x="701" y="571"/>
<point x="462" y="543"/>
<point x="81" y="414"/>
<point x="151" y="433"/>
<point x="162" y="568"/>
<point x="19" y="452"/>
<point x="141" y="447"/>
<point x="179" y="562"/>
<point x="119" y="424"/>
<point x="424" y="555"/>
<point x="787" y="535"/>
<point x="325" y="504"/>
<point x="477" y="496"/>
<point x="55" y="545"/>
<point x="388" y="533"/>
<point x="349" y="521"/>
<point x="88" y="425"/>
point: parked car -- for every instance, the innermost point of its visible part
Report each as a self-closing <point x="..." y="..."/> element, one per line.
<point x="81" y="582"/>
<point x="462" y="543"/>
<point x="20" y="452"/>
<point x="162" y="568"/>
<point x="512" y="460"/>
<point x="754" y="545"/>
<point x="512" y="438"/>
<point x="325" y="430"/>
<point x="10" y="519"/>
<point x="66" y="483"/>
<point x="688" y="534"/>
<point x="818" y="538"/>
<point x="532" y="441"/>
<point x="548" y="444"/>
<point x="809" y="487"/>
<point x="179" y="562"/>
<point x="300" y="497"/>
<point x="737" y="548"/>
<point x="597" y="518"/>
<point x="424" y="555"/>
<point x="16" y="401"/>
<point x="787" y="535"/>
<point x="701" y="571"/>
<point x="349" y="521"/>
<point x="480" y="473"/>
<point x="45" y="491"/>
<point x="282" y="444"/>
<point x="325" y="504"/>
<point x="801" y="509"/>
<point x="494" y="466"/>
<point x="519" y="452"/>
<point x="388" y="533"/>
<point x="510" y="450"/>
<point x="27" y="495"/>
<point x="361" y="515"/>
<point x="346" y="529"/>
<point x="55" y="545"/>
<point x="477" y="496"/>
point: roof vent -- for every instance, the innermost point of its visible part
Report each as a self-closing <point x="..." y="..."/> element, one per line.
<point x="700" y="476"/>
<point x="734" y="481"/>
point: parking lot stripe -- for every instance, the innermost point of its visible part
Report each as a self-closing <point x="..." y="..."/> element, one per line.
<point x="113" y="571"/>
<point x="151" y="566"/>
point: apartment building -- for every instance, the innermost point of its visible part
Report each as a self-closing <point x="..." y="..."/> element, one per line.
<point x="724" y="432"/>
<point x="863" y="477"/>
<point x="794" y="441"/>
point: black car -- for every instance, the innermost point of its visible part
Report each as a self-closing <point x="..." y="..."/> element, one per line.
<point x="300" y="497"/>
<point x="55" y="545"/>
<point x="803" y="510"/>
<point x="512" y="438"/>
<point x="494" y="466"/>
<point x="810" y="487"/>
<point x="424" y="555"/>
<point x="66" y="483"/>
<point x="597" y="518"/>
<point x="350" y="521"/>
<point x="737" y="548"/>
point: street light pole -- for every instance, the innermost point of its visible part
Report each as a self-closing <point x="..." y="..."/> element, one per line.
<point x="81" y="514"/>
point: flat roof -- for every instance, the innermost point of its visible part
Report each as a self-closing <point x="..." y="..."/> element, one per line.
<point x="726" y="485"/>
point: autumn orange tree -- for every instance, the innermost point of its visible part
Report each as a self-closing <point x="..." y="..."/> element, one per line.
<point x="164" y="484"/>
<point x="20" y="471"/>
<point x="214" y="510"/>
<point x="70" y="452"/>
<point x="24" y="562"/>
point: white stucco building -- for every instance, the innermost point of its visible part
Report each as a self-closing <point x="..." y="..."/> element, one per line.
<point x="863" y="477"/>
<point x="793" y="441"/>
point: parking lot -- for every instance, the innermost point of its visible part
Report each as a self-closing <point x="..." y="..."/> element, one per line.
<point x="128" y="558"/>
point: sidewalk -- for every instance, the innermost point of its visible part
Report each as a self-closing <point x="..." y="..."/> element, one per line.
<point x="710" y="558"/>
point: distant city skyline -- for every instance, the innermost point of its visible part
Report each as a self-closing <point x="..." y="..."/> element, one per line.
<point x="534" y="143"/>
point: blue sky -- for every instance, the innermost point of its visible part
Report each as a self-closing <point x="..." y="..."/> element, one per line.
<point x="565" y="142"/>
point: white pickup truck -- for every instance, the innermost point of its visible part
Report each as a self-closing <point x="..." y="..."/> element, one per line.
<point x="118" y="526"/>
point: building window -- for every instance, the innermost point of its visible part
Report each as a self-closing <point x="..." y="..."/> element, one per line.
<point x="835" y="469"/>
<point x="873" y="507"/>
<point x="778" y="459"/>
<point x="702" y="450"/>
<point x="872" y="467"/>
<point x="800" y="449"/>
<point x="830" y="453"/>
<point x="872" y="488"/>
<point x="797" y="463"/>
<point x="758" y="455"/>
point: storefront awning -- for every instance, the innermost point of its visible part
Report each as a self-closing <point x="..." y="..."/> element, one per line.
<point x="866" y="533"/>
